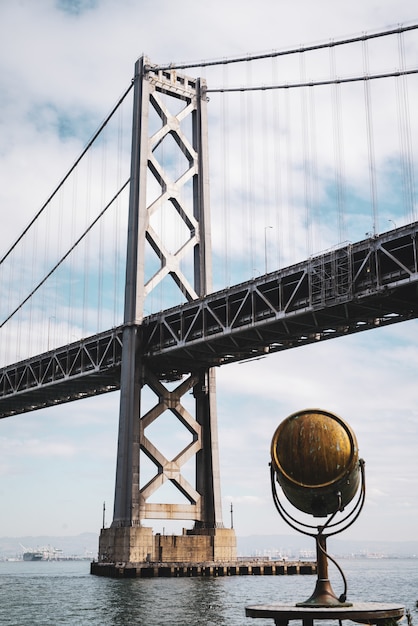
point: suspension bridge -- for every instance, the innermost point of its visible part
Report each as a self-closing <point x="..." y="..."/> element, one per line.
<point x="130" y="278"/>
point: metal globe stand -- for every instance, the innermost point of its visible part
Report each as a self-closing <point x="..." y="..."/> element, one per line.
<point x="323" y="595"/>
<point x="314" y="459"/>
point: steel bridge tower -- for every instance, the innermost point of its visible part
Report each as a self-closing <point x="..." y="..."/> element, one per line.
<point x="127" y="540"/>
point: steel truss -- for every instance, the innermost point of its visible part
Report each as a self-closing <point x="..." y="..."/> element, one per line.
<point x="75" y="371"/>
<point x="359" y="287"/>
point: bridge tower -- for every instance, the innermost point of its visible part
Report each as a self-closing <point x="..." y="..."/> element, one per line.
<point x="187" y="197"/>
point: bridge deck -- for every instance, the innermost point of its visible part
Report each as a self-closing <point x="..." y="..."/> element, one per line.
<point x="353" y="288"/>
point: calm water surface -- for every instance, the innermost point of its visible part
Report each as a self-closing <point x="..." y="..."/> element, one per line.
<point x="59" y="593"/>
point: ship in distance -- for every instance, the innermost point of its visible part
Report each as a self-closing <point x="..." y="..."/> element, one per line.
<point x="41" y="554"/>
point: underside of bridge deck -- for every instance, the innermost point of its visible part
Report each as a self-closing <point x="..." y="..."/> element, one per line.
<point x="364" y="286"/>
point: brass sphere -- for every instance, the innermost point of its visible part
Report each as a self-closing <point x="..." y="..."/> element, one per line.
<point x="315" y="456"/>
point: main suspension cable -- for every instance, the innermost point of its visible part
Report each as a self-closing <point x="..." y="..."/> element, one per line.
<point x="60" y="184"/>
<point x="315" y="83"/>
<point x="279" y="53"/>
<point x="75" y="244"/>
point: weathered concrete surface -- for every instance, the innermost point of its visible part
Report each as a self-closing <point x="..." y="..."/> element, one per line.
<point x="138" y="545"/>
<point x="218" y="544"/>
<point x="130" y="544"/>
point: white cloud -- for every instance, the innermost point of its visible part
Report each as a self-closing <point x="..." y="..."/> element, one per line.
<point x="37" y="447"/>
<point x="58" y="67"/>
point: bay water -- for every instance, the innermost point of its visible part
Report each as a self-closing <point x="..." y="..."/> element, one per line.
<point x="64" y="593"/>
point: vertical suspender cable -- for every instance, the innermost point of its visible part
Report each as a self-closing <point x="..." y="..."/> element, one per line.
<point x="41" y="324"/>
<point x="114" y="242"/>
<point x="250" y="162"/>
<point x="72" y="296"/>
<point x="277" y="166"/>
<point x="338" y="149"/>
<point x="266" y="150"/>
<point x="405" y="134"/>
<point x="58" y="312"/>
<point x="86" y="245"/>
<point x="33" y="324"/>
<point x="290" y="203"/>
<point x="306" y="155"/>
<point x="403" y="154"/>
<point x="226" y="179"/>
<point x="102" y="231"/>
<point x="47" y="305"/>
<point x="370" y="139"/>
<point x="315" y="214"/>
<point x="6" y="281"/>
<point x="22" y="273"/>
<point x="243" y="194"/>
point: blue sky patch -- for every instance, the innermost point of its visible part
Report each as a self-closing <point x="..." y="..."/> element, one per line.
<point x="66" y="125"/>
<point x="76" y="7"/>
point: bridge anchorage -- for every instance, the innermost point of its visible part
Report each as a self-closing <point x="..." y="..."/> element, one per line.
<point x="127" y="540"/>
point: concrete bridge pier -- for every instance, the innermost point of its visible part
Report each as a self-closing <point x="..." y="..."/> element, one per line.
<point x="139" y="545"/>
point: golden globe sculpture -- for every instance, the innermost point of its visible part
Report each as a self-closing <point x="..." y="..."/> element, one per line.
<point x="314" y="459"/>
<point x="315" y="456"/>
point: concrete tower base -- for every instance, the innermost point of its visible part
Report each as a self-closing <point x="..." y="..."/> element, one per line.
<point x="127" y="544"/>
<point x="139" y="545"/>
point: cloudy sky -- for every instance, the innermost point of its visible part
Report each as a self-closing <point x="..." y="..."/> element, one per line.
<point x="71" y="59"/>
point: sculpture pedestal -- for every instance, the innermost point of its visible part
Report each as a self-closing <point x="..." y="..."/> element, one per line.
<point x="362" y="612"/>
